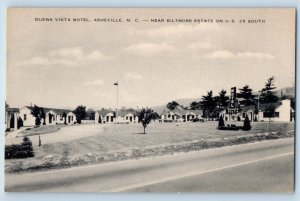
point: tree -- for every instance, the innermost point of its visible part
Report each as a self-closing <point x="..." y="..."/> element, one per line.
<point x="247" y="125"/>
<point x="270" y="111"/>
<point x="268" y="96"/>
<point x="221" y="101"/>
<point x="80" y="113"/>
<point x="209" y="105"/>
<point x="195" y="105"/>
<point x="64" y="115"/>
<point x="172" y="105"/>
<point x="20" y="123"/>
<point x="43" y="116"/>
<point x="145" y="116"/>
<point x="246" y="95"/>
<point x="90" y="114"/>
<point x="36" y="112"/>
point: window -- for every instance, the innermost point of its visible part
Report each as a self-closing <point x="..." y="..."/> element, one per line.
<point x="61" y="117"/>
<point x="25" y="117"/>
<point x="276" y="114"/>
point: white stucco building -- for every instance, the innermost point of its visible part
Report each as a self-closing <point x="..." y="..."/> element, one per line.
<point x="181" y="115"/>
<point x="283" y="112"/>
<point x="109" y="116"/>
<point x="53" y="116"/>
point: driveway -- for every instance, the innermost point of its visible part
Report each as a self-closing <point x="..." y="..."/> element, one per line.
<point x="68" y="133"/>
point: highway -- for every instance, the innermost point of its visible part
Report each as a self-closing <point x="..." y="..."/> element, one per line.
<point x="256" y="167"/>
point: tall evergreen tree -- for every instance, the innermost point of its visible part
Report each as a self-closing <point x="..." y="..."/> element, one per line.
<point x="246" y="95"/>
<point x="222" y="100"/>
<point x="268" y="93"/>
<point x="268" y="96"/>
<point x="209" y="105"/>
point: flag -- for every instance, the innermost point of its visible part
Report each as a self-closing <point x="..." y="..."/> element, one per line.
<point x="116" y="84"/>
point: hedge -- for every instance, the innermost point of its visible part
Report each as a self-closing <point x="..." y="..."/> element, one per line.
<point x="23" y="150"/>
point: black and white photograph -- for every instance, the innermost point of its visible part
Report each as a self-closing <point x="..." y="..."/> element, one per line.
<point x="160" y="100"/>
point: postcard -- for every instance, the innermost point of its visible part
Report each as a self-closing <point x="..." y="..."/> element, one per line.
<point x="150" y="100"/>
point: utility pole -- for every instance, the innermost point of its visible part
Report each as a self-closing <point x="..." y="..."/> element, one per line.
<point x="258" y="105"/>
<point x="117" y="113"/>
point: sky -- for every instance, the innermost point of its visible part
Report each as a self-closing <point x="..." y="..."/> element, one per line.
<point x="64" y="64"/>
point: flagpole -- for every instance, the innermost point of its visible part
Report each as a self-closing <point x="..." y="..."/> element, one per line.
<point x="117" y="100"/>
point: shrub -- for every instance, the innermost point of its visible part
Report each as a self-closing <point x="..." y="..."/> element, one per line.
<point x="247" y="125"/>
<point x="23" y="150"/>
<point x="221" y="122"/>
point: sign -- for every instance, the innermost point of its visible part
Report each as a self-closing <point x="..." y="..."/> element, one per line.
<point x="232" y="97"/>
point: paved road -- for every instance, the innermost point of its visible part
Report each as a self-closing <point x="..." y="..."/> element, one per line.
<point x="260" y="167"/>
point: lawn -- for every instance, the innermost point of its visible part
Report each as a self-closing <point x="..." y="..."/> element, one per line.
<point x="101" y="138"/>
<point x="97" y="143"/>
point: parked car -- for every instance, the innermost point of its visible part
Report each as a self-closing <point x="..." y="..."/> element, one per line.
<point x="198" y="120"/>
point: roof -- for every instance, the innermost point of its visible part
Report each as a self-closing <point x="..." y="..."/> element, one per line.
<point x="248" y="107"/>
<point x="104" y="112"/>
<point x="262" y="107"/>
<point x="57" y="111"/>
<point x="11" y="109"/>
<point x="121" y="113"/>
<point x="182" y="112"/>
<point x="124" y="113"/>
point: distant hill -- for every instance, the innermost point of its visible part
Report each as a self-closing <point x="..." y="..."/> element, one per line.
<point x="183" y="101"/>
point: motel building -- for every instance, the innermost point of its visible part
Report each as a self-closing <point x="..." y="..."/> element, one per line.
<point x="53" y="116"/>
<point x="11" y="118"/>
<point x="109" y="116"/>
<point x="283" y="112"/>
<point x="180" y="115"/>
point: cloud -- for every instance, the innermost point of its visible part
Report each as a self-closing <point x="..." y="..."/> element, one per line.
<point x="224" y="54"/>
<point x="66" y="56"/>
<point x="98" y="82"/>
<point x="149" y="48"/>
<point x="199" y="45"/>
<point x="132" y="76"/>
<point x="255" y="54"/>
<point x="220" y="54"/>
<point x="72" y="53"/>
<point x="96" y="55"/>
<point x="37" y="61"/>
